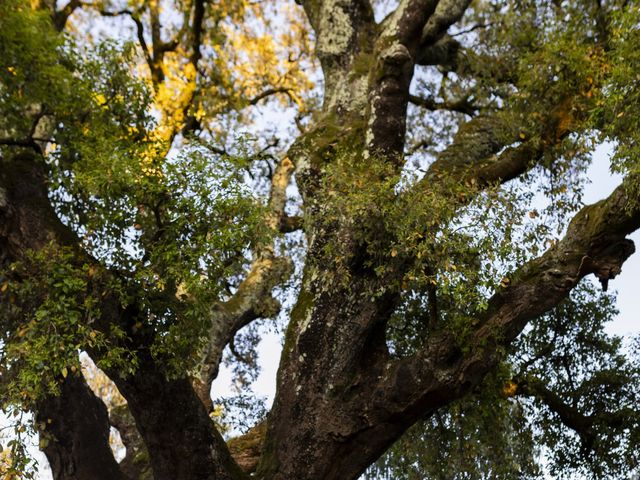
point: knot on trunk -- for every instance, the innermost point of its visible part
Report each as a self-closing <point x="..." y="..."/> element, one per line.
<point x="396" y="55"/>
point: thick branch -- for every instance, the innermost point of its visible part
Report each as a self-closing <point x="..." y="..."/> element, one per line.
<point x="196" y="31"/>
<point x="475" y="144"/>
<point x="61" y="16"/>
<point x="490" y="149"/>
<point x="136" y="464"/>
<point x="444" y="52"/>
<point x="586" y="426"/>
<point x="462" y="105"/>
<point x="569" y="415"/>
<point x="253" y="298"/>
<point x="181" y="439"/>
<point x="345" y="33"/>
<point x="167" y="412"/>
<point x="595" y="243"/>
<point x="76" y="423"/>
<point x="406" y="22"/>
<point x="187" y="120"/>
<point x="391" y="77"/>
<point x="76" y="434"/>
<point x="267" y="93"/>
<point x="21" y="142"/>
<point x="415" y="26"/>
<point x="450" y="56"/>
<point x="408" y="389"/>
<point x="447" y="13"/>
<point x="327" y="15"/>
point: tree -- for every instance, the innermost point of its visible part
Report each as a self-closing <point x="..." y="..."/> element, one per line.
<point x="442" y="312"/>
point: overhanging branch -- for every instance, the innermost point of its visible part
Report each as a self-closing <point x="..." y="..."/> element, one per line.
<point x="594" y="243"/>
<point x="60" y="17"/>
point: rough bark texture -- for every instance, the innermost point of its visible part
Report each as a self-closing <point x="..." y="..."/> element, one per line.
<point x="341" y="401"/>
<point x="178" y="433"/>
<point x="247" y="449"/>
<point x="135" y="464"/>
<point x="78" y="446"/>
<point x="76" y="434"/>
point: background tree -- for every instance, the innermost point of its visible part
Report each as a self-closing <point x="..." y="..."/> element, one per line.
<point x="424" y="219"/>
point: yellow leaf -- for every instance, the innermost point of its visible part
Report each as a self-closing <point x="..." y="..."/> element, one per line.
<point x="65" y="372"/>
<point x="510" y="388"/>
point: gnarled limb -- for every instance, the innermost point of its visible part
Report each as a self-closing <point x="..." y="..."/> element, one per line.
<point x="569" y="415"/>
<point x="76" y="423"/>
<point x="446" y="14"/>
<point x="462" y="105"/>
<point x="60" y="17"/>
<point x="167" y="412"/>
<point x="135" y="464"/>
<point x="253" y="299"/>
<point x="413" y="27"/>
<point x="490" y="149"/>
<point x="181" y="439"/>
<point x="585" y="425"/>
<point x="75" y="438"/>
<point x="595" y="243"/>
<point x="357" y="416"/>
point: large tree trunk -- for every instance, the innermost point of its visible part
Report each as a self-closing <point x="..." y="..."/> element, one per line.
<point x="318" y="424"/>
<point x="342" y="399"/>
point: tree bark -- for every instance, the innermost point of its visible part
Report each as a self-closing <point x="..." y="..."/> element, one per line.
<point x="76" y="434"/>
<point x="180" y="437"/>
